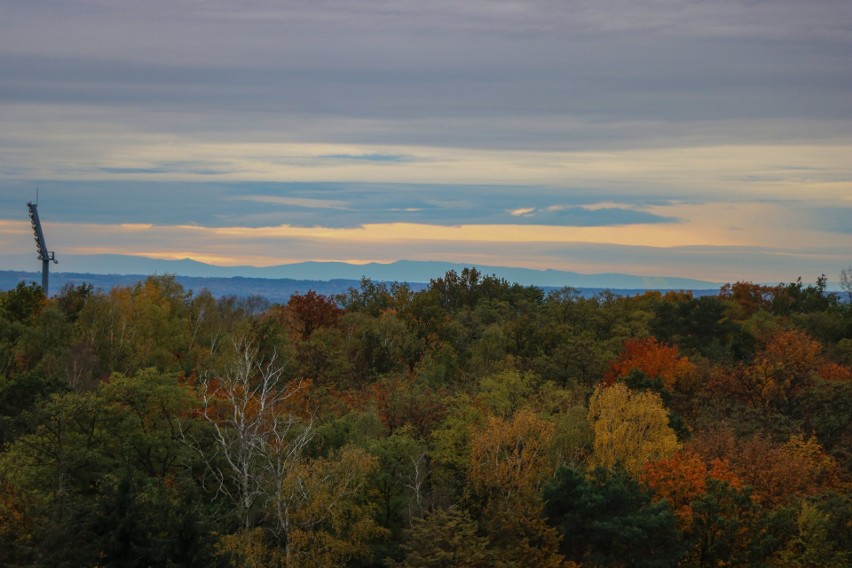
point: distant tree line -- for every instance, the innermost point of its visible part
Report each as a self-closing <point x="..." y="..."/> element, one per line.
<point x="472" y="423"/>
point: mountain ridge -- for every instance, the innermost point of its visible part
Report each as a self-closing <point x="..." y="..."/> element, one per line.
<point x="400" y="271"/>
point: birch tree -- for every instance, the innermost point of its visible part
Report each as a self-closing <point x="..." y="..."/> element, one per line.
<point x="257" y="434"/>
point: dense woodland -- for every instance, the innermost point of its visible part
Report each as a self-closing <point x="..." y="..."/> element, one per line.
<point x="475" y="423"/>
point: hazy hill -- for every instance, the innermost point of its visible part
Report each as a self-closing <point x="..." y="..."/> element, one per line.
<point x="401" y="271"/>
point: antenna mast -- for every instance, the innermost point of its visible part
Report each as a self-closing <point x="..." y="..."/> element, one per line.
<point x="43" y="255"/>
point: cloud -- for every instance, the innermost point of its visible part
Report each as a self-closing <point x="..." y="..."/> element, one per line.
<point x="574" y="249"/>
<point x="833" y="220"/>
<point x="659" y="124"/>
<point x="610" y="216"/>
<point x="587" y="216"/>
<point x="367" y="157"/>
<point x="302" y="202"/>
<point x="599" y="62"/>
<point x="332" y="204"/>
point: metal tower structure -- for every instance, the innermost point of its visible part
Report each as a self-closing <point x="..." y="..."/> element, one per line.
<point x="43" y="255"/>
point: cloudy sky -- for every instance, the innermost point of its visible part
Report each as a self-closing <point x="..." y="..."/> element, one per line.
<point x="706" y="139"/>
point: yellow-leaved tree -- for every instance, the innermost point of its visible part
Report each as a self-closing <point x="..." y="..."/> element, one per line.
<point x="329" y="517"/>
<point x="508" y="463"/>
<point x="630" y="428"/>
<point x="333" y="520"/>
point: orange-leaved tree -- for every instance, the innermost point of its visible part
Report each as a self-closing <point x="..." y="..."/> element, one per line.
<point x="777" y="472"/>
<point x="781" y="473"/>
<point x="748" y="298"/>
<point x="653" y="358"/>
<point x="683" y="478"/>
<point x="783" y="369"/>
<point x="305" y="313"/>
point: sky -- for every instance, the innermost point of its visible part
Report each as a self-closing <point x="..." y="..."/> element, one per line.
<point x="691" y="138"/>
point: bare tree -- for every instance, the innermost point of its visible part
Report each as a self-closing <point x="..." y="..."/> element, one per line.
<point x="846" y="281"/>
<point x="256" y="438"/>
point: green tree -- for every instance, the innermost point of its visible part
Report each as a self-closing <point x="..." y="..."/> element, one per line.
<point x="400" y="482"/>
<point x="43" y="345"/>
<point x="723" y="526"/>
<point x="379" y="345"/>
<point x="506" y="392"/>
<point x="23" y="302"/>
<point x="446" y="538"/>
<point x="19" y="308"/>
<point x="608" y="519"/>
<point x="101" y="479"/>
<point x="71" y="299"/>
<point x="212" y="323"/>
<point x="811" y="545"/>
<point x="145" y="325"/>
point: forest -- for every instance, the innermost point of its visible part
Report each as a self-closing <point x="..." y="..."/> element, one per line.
<point x="473" y="423"/>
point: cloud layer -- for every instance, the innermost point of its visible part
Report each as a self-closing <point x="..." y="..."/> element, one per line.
<point x="581" y="135"/>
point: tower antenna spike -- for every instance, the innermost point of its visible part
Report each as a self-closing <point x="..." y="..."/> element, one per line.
<point x="44" y="255"/>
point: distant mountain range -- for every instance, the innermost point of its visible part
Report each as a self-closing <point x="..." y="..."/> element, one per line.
<point x="274" y="290"/>
<point x="401" y="271"/>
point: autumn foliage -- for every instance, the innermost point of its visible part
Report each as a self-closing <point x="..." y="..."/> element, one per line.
<point x="681" y="479"/>
<point x="630" y="428"/>
<point x="509" y="457"/>
<point x="473" y="422"/>
<point x="782" y="369"/>
<point x="308" y="312"/>
<point x="652" y="358"/>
